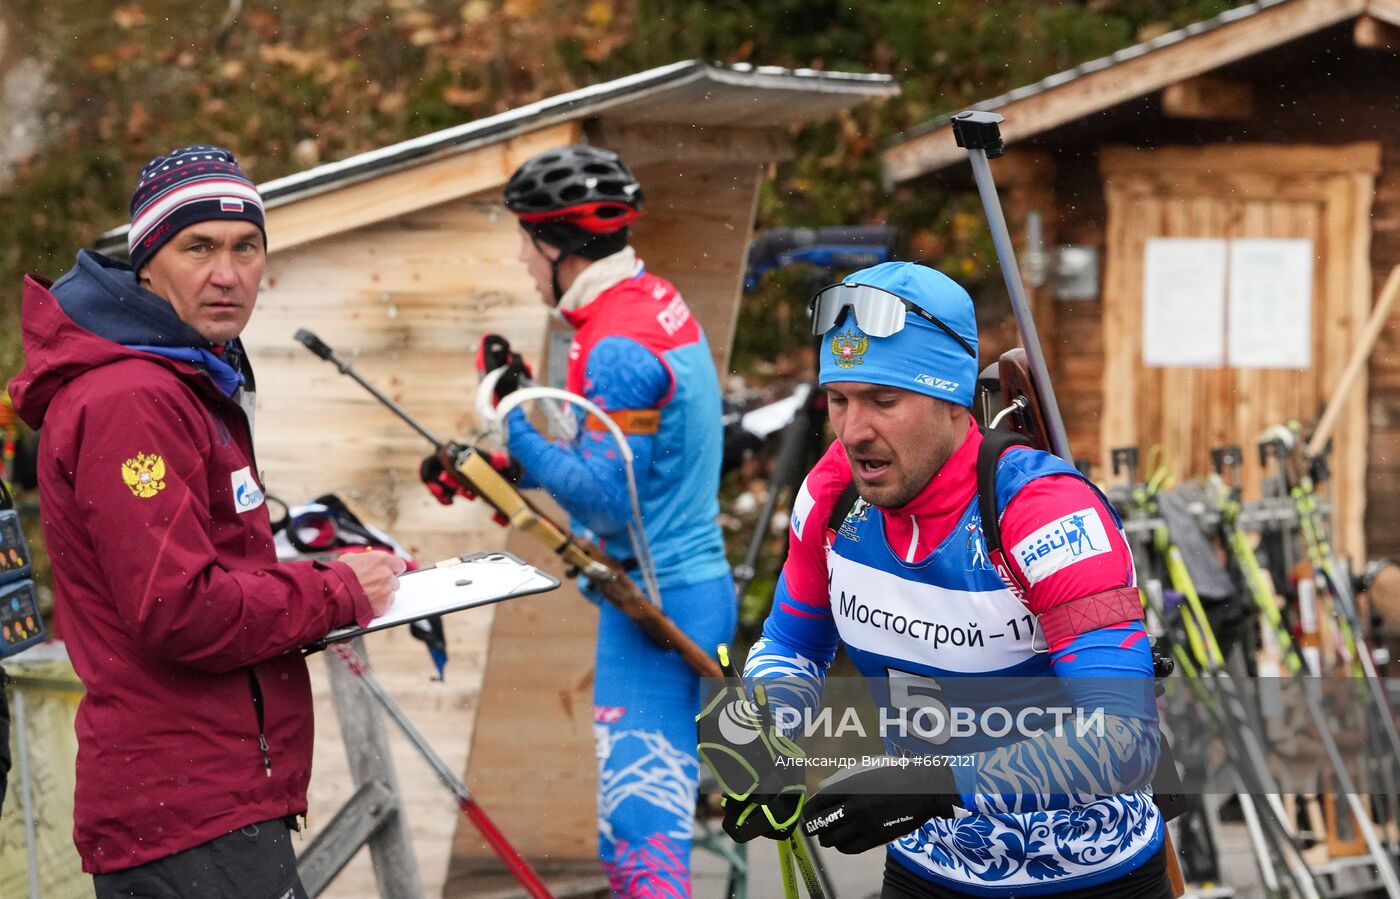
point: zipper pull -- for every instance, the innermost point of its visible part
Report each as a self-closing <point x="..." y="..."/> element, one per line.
<point x="267" y="759"/>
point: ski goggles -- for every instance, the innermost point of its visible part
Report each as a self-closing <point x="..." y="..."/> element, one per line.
<point x="877" y="312"/>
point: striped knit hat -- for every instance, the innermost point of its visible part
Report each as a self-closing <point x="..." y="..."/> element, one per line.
<point x="185" y="186"/>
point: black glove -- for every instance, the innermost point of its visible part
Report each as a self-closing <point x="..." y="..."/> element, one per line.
<point x="494" y="352"/>
<point x="870" y="804"/>
<point x="759" y="770"/>
<point x="444" y="487"/>
<point x="1162" y="667"/>
<point x="439" y="482"/>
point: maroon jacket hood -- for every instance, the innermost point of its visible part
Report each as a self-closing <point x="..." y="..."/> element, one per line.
<point x="57" y="350"/>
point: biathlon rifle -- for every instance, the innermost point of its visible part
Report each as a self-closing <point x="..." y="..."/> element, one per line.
<point x="1024" y="376"/>
<point x="474" y="471"/>
<point x="980" y="134"/>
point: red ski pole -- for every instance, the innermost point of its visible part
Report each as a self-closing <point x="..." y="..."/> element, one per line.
<point x="519" y="868"/>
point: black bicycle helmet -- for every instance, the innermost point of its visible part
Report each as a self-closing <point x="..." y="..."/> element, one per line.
<point x="579" y="199"/>
<point x="588" y="187"/>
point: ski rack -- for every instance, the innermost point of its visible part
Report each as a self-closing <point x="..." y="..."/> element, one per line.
<point x="1256" y="516"/>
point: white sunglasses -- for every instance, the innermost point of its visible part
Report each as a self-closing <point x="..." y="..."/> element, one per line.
<point x="878" y="312"/>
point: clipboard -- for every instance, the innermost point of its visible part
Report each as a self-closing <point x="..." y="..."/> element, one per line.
<point x="465" y="582"/>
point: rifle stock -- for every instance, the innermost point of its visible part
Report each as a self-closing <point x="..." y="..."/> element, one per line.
<point x="476" y="473"/>
<point x="1014" y="373"/>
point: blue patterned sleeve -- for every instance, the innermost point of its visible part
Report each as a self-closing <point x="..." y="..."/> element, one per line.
<point x="1108" y="673"/>
<point x="588" y="478"/>
<point x="792" y="656"/>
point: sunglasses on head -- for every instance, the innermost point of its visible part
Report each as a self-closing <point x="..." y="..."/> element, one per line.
<point x="876" y="311"/>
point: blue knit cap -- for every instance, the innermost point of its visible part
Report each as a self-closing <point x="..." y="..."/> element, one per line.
<point x="920" y="356"/>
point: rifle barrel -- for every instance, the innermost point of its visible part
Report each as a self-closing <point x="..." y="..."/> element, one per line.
<point x="322" y="350"/>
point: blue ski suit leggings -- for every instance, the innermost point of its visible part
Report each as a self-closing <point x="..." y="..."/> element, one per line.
<point x="645" y="700"/>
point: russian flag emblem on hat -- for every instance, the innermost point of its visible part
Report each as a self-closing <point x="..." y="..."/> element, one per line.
<point x="230" y="204"/>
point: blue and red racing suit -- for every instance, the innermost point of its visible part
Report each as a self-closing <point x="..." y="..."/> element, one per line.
<point x="913" y="591"/>
<point x="639" y="354"/>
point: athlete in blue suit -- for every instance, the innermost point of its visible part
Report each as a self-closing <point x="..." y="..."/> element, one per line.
<point x="640" y="355"/>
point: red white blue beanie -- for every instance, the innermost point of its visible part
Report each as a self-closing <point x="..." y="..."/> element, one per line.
<point x="186" y="186"/>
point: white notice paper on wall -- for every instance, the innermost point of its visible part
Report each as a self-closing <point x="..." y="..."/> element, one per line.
<point x="1183" y="303"/>
<point x="1270" y="319"/>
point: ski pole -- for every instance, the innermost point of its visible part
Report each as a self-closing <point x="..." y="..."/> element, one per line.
<point x="1329" y="574"/>
<point x="805" y="865"/>
<point x="517" y="865"/>
<point x="1228" y="459"/>
<point x="1211" y="685"/>
<point x="1213" y="663"/>
<point x="1322" y="557"/>
<point x="1268" y="835"/>
<point x="977" y="132"/>
<point x="792" y="847"/>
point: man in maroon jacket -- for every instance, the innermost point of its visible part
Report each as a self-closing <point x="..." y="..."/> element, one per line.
<point x="194" y="738"/>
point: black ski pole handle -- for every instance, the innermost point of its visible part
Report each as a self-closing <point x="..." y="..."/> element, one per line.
<point x="1224" y="458"/>
<point x="1125" y="459"/>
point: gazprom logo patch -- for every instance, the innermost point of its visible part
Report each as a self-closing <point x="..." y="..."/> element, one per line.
<point x="247" y="495"/>
<point x="943" y="384"/>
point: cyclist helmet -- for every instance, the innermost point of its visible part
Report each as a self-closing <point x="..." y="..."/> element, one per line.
<point x="586" y="187"/>
<point x="578" y="199"/>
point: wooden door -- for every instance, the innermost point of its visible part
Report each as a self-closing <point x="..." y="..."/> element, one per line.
<point x="1322" y="194"/>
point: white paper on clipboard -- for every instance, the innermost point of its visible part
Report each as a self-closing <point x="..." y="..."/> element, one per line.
<point x="475" y="580"/>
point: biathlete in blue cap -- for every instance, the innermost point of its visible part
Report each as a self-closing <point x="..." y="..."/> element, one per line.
<point x="905" y="579"/>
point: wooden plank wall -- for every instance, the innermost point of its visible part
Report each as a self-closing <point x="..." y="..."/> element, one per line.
<point x="1078" y="358"/>
<point x="1076" y="351"/>
<point x="406" y="301"/>
<point x="696" y="233"/>
<point x="1383" y="403"/>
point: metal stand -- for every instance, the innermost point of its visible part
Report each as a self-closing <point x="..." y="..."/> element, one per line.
<point x="800" y="448"/>
<point x="26" y="785"/>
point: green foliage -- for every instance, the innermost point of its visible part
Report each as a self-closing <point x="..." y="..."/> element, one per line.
<point x="299" y="82"/>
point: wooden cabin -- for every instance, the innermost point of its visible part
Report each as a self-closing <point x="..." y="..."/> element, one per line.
<point x="401" y="259"/>
<point x="1272" y="122"/>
